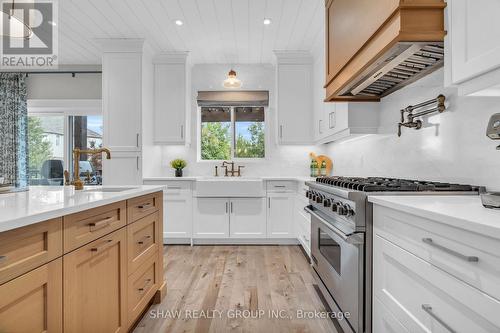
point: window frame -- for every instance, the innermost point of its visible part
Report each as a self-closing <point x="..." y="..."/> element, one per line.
<point x="66" y="108"/>
<point x="233" y="138"/>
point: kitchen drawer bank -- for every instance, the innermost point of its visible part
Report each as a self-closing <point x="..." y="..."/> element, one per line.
<point x="104" y="264"/>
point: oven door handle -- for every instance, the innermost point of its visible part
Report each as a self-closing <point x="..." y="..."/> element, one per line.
<point x="354" y="238"/>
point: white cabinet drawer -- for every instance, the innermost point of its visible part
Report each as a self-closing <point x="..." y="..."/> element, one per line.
<point x="451" y="249"/>
<point x="424" y="298"/>
<point x="177" y="187"/>
<point x="281" y="186"/>
<point x="384" y="321"/>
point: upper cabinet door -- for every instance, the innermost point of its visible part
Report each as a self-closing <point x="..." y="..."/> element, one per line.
<point x="122" y="103"/>
<point x="474" y="35"/>
<point x="170" y="100"/>
<point x="294" y="101"/>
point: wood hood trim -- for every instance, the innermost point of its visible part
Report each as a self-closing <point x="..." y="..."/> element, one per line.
<point x="410" y="22"/>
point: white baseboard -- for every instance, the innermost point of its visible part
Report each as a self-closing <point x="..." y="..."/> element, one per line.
<point x="245" y="241"/>
<point x="175" y="241"/>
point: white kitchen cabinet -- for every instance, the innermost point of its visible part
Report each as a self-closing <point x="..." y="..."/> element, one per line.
<point x="171" y="99"/>
<point x="177" y="211"/>
<point x="280" y="215"/>
<point x="122" y="97"/>
<point x="427" y="278"/>
<point x="247" y="217"/>
<point x="294" y="97"/>
<point x="211" y="218"/>
<point x="302" y="219"/>
<point x="124" y="168"/>
<point x="472" y="47"/>
<point x="340" y="120"/>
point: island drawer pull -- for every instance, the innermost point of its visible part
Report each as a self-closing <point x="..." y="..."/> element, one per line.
<point x="427" y="308"/>
<point x="100" y="224"/>
<point x="144" y="238"/>
<point x="3" y="258"/>
<point x="102" y="247"/>
<point x="145" y="206"/>
<point x="280" y="186"/>
<point x="145" y="285"/>
<point x="170" y="187"/>
<point x="430" y="242"/>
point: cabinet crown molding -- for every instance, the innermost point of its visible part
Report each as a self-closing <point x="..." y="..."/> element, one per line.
<point x="178" y="57"/>
<point x="293" y="57"/>
<point x="132" y="45"/>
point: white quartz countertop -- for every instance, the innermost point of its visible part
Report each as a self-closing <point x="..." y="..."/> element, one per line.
<point x="41" y="203"/>
<point x="465" y="211"/>
<point x="195" y="178"/>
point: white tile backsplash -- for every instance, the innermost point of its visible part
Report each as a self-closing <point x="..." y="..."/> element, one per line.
<point x="452" y="146"/>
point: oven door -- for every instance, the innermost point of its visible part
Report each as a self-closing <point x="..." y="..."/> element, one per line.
<point x="338" y="260"/>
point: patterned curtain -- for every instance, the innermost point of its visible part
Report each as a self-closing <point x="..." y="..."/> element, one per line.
<point x="13" y="129"/>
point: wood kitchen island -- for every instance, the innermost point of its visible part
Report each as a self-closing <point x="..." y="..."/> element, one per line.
<point x="80" y="261"/>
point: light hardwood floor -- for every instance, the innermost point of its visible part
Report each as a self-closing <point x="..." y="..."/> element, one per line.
<point x="234" y="278"/>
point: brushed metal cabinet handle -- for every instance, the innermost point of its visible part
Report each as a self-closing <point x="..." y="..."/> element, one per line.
<point x="137" y="140"/>
<point x="182" y="131"/>
<point x="281" y="131"/>
<point x="269" y="202"/>
<point x="226" y="207"/>
<point x="100" y="224"/>
<point x="102" y="247"/>
<point x="137" y="162"/>
<point x="430" y="242"/>
<point x="428" y="309"/>
<point x="231" y="205"/>
<point x="3" y="258"/>
<point x="143" y="206"/>
<point x="142" y="241"/>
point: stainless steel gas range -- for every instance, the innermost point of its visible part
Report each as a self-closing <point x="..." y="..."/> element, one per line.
<point x="341" y="238"/>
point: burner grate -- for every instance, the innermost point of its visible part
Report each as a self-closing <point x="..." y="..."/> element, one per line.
<point x="381" y="184"/>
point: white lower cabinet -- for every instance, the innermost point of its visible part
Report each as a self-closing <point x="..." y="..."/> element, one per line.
<point x="280" y="215"/>
<point x="124" y="168"/>
<point x="418" y="295"/>
<point x="177" y="214"/>
<point x="211" y="218"/>
<point x="247" y="218"/>
<point x="229" y="217"/>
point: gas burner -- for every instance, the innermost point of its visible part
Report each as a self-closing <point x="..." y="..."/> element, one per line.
<point x="381" y="184"/>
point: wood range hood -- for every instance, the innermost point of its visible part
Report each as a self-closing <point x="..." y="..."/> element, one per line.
<point x="374" y="48"/>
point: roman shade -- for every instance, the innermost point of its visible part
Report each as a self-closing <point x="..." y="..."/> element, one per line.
<point x="233" y="98"/>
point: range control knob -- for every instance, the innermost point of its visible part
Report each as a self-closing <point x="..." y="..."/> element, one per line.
<point x="334" y="206"/>
<point x="319" y="198"/>
<point x="327" y="203"/>
<point x="307" y="193"/>
<point x="341" y="210"/>
<point x="349" y="210"/>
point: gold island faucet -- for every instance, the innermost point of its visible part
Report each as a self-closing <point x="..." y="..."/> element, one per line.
<point x="77" y="182"/>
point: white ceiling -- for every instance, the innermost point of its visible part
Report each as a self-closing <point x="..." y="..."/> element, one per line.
<point x="214" y="31"/>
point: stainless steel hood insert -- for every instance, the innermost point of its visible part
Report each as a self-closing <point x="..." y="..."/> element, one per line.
<point x="401" y="65"/>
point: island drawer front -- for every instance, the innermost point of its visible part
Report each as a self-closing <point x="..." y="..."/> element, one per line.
<point x="424" y="298"/>
<point x="143" y="239"/>
<point x="142" y="286"/>
<point x="26" y="248"/>
<point x="281" y="186"/>
<point x="143" y="206"/>
<point x="470" y="257"/>
<point x="84" y="227"/>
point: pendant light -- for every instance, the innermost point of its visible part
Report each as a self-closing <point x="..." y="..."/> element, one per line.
<point x="231" y="82"/>
<point x="17" y="28"/>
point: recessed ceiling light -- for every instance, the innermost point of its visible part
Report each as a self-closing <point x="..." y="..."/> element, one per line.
<point x="267" y="21"/>
<point x="179" y="22"/>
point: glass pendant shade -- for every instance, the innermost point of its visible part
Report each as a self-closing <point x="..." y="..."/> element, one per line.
<point x="231" y="82"/>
